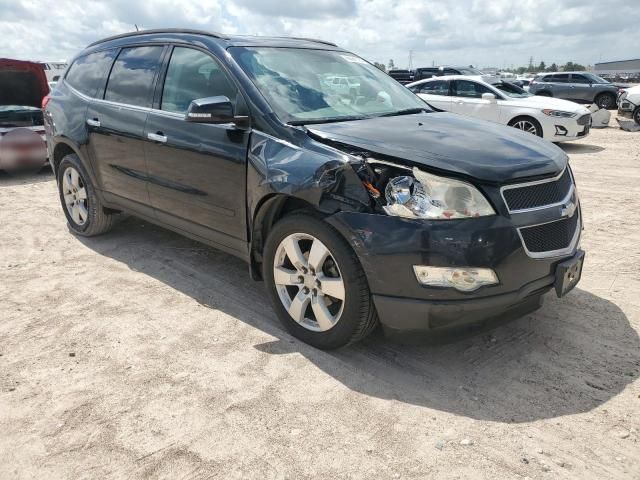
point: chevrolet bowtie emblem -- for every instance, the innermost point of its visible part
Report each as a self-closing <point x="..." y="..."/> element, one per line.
<point x="568" y="209"/>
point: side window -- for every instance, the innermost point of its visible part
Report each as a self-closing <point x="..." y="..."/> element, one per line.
<point x="191" y="75"/>
<point x="132" y="75"/>
<point x="440" y="87"/>
<point x="88" y="74"/>
<point x="467" y="89"/>
<point x="561" y="78"/>
<point x="575" y="78"/>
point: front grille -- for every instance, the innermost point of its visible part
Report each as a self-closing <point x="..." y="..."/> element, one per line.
<point x="584" y="119"/>
<point x="538" y="194"/>
<point x="551" y="236"/>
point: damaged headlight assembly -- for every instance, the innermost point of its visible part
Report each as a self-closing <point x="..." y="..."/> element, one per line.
<point x="431" y="197"/>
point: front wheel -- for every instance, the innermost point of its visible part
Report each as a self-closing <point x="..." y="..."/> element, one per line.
<point x="636" y="115"/>
<point x="316" y="283"/>
<point x="605" y="100"/>
<point x="527" y="124"/>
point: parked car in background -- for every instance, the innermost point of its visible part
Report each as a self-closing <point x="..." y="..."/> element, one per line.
<point x="523" y="83"/>
<point x="429" y="72"/>
<point x="553" y="119"/>
<point x="350" y="211"/>
<point x="23" y="86"/>
<point x="582" y="87"/>
<point x="346" y="86"/>
<point x="629" y="103"/>
<point x="53" y="70"/>
<point x="402" y="76"/>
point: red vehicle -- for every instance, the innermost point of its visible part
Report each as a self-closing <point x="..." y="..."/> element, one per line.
<point x="23" y="89"/>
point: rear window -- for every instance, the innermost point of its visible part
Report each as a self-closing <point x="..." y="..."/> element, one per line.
<point x="132" y="76"/>
<point x="88" y="74"/>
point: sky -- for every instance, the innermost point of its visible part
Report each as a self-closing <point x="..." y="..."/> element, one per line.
<point x="483" y="33"/>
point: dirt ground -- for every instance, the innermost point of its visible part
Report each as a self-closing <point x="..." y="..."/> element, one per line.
<point x="141" y="354"/>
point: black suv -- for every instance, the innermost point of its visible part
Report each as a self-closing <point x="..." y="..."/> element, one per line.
<point x="352" y="210"/>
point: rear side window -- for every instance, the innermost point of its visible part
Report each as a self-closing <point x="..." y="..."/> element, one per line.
<point x="440" y="87"/>
<point x="88" y="74"/>
<point x="192" y="75"/>
<point x="560" y="78"/>
<point x="132" y="76"/>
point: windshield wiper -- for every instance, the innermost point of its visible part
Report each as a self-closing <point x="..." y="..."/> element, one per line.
<point x="325" y="120"/>
<point x="406" y="111"/>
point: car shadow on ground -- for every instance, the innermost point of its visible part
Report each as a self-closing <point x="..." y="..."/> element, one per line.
<point x="20" y="178"/>
<point x="580" y="148"/>
<point x="571" y="356"/>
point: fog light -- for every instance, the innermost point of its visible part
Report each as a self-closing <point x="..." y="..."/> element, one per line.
<point x="560" y="130"/>
<point x="465" y="279"/>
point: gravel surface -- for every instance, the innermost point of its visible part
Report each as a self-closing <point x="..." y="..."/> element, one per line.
<point x="141" y="354"/>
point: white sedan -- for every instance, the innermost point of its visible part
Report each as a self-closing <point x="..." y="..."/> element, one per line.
<point x="550" y="118"/>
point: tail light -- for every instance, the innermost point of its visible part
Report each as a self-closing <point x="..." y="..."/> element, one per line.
<point x="45" y="101"/>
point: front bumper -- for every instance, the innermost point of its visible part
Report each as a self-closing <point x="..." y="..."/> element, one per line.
<point x="388" y="248"/>
<point x="566" y="130"/>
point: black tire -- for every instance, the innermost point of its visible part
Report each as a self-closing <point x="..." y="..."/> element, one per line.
<point x="605" y="100"/>
<point x="358" y="317"/>
<point x="513" y="123"/>
<point x="97" y="221"/>
<point x="636" y="115"/>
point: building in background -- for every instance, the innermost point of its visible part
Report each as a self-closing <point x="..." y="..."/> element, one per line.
<point x="628" y="70"/>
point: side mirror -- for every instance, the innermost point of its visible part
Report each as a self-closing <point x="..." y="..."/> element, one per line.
<point x="215" y="110"/>
<point x="490" y="97"/>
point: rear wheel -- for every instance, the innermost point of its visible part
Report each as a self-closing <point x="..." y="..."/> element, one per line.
<point x="527" y="124"/>
<point x="81" y="205"/>
<point x="636" y="115"/>
<point x="605" y="100"/>
<point x="318" y="288"/>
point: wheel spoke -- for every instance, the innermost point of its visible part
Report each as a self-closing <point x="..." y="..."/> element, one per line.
<point x="317" y="255"/>
<point x="82" y="194"/>
<point x="75" y="178"/>
<point x="84" y="214"/>
<point x="294" y="253"/>
<point x="284" y="276"/>
<point x="75" y="214"/>
<point x="323" y="315"/>
<point x="334" y="287"/>
<point x="68" y="199"/>
<point x="66" y="181"/>
<point x="299" y="306"/>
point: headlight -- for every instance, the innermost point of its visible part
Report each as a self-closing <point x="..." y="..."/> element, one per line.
<point x="435" y="198"/>
<point x="558" y="113"/>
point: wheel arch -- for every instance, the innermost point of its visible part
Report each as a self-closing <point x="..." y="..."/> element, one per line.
<point x="527" y="116"/>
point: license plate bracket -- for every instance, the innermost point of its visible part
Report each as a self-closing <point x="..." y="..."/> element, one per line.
<point x="568" y="274"/>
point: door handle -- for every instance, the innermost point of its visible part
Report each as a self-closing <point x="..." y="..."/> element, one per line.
<point x="157" y="137"/>
<point x="93" y="122"/>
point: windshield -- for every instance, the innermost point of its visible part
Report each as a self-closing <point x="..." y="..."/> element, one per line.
<point x="512" y="90"/>
<point x="595" y="78"/>
<point x="313" y="86"/>
<point x="469" y="71"/>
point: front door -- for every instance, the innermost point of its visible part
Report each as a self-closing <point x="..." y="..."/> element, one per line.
<point x="197" y="172"/>
<point x="116" y="124"/>
<point x="467" y="100"/>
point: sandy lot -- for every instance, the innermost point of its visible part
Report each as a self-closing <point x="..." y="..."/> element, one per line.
<point x="141" y="354"/>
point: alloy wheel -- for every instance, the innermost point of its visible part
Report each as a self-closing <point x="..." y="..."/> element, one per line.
<point x="526" y="126"/>
<point x="75" y="196"/>
<point x="308" y="281"/>
<point x="605" y="101"/>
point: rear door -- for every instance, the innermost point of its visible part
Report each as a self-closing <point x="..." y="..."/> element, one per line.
<point x="559" y="83"/>
<point x="116" y="124"/>
<point x="467" y="100"/>
<point x="436" y="93"/>
<point x="197" y="171"/>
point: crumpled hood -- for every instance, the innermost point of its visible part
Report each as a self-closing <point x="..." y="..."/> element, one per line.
<point x="451" y="143"/>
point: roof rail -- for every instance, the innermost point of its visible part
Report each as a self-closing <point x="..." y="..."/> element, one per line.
<point x="315" y="40"/>
<point x="160" y="30"/>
